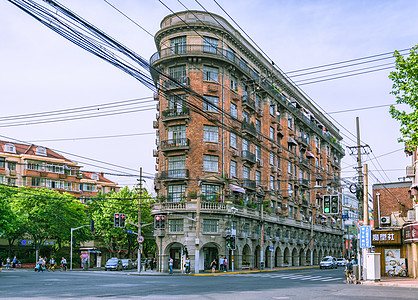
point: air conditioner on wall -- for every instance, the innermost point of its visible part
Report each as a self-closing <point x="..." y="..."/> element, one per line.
<point x="384" y="220"/>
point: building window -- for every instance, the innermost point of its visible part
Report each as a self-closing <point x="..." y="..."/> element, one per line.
<point x="11" y="165"/>
<point x="2" y="162"/>
<point x="272" y="185"/>
<point x="177" y="133"/>
<point x="230" y="54"/>
<point x="257" y="177"/>
<point x="40" y="151"/>
<point x="257" y="152"/>
<point x="272" y="133"/>
<point x="272" y="107"/>
<point x="257" y="101"/>
<point x="210" y="133"/>
<point x="246" y="228"/>
<point x="175" y="225"/>
<point x="10" y="148"/>
<point x="289" y="167"/>
<point x="245" y="117"/>
<point x="11" y="181"/>
<point x="175" y="193"/>
<point x="243" y="64"/>
<point x="234" y="111"/>
<point x="210" y="163"/>
<point x="233" y="168"/>
<point x="258" y="125"/>
<point x="290" y="122"/>
<point x="290" y="189"/>
<point x="177" y="72"/>
<point x="178" y="45"/>
<point x="177" y="166"/>
<point x="271" y="160"/>
<point x="210" y="192"/>
<point x="210" y="44"/>
<point x="233" y="83"/>
<point x="36" y="181"/>
<point x="213" y="103"/>
<point x="245" y="172"/>
<point x="233" y="140"/>
<point x="245" y="145"/>
<point x="317" y="162"/>
<point x="210" y="73"/>
<point x="177" y="103"/>
<point x="210" y="226"/>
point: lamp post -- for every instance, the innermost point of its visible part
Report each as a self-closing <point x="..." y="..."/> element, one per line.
<point x="71" y="244"/>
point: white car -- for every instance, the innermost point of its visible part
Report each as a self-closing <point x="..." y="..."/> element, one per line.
<point x="328" y="262"/>
<point x="341" y="261"/>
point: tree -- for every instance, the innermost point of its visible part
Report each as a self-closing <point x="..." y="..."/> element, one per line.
<point x="102" y="209"/>
<point x="405" y="88"/>
<point x="48" y="214"/>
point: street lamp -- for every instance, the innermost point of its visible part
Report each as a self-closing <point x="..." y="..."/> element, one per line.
<point x="71" y="249"/>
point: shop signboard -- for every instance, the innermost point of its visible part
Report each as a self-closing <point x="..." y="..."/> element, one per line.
<point x="410" y="233"/>
<point x="386" y="237"/>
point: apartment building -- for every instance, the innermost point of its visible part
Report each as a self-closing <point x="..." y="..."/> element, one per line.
<point x="240" y="152"/>
<point x="37" y="166"/>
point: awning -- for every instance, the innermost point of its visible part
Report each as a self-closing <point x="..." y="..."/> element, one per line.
<point x="309" y="154"/>
<point x="236" y="188"/>
<point x="290" y="140"/>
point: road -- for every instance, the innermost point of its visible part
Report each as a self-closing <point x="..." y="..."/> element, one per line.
<point x="288" y="284"/>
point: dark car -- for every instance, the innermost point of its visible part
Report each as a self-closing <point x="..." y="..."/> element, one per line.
<point x="113" y="264"/>
<point x="127" y="264"/>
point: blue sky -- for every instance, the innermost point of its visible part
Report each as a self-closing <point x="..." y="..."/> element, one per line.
<point x="41" y="71"/>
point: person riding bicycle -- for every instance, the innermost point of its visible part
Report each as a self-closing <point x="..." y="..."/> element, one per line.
<point x="348" y="269"/>
<point x="52" y="264"/>
<point x="63" y="264"/>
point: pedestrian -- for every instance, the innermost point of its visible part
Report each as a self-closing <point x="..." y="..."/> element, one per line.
<point x="213" y="265"/>
<point x="225" y="264"/>
<point x="221" y="263"/>
<point x="154" y="263"/>
<point x="7" y="263"/>
<point x="187" y="265"/>
<point x="170" y="265"/>
<point x="14" y="262"/>
<point x="41" y="264"/>
<point x="63" y="264"/>
<point x="1" y="264"/>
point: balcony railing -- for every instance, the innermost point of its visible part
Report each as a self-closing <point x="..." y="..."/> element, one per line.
<point x="249" y="184"/>
<point x="249" y="156"/>
<point x="174" y="174"/>
<point x="174" y="113"/>
<point x="247" y="101"/>
<point x="176" y="82"/>
<point x="248" y="128"/>
<point x="175" y="144"/>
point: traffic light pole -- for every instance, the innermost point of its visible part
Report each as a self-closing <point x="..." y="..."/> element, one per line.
<point x="71" y="244"/>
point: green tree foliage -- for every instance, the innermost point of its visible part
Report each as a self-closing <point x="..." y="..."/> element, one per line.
<point x="102" y="210"/>
<point x="46" y="214"/>
<point x="405" y="88"/>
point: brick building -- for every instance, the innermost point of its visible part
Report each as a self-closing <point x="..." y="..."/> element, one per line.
<point x="240" y="152"/>
<point x="37" y="166"/>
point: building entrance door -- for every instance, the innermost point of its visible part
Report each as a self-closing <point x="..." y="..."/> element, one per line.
<point x="210" y="253"/>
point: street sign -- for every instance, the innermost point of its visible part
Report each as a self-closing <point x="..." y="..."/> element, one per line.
<point x="359" y="223"/>
<point x="140" y="239"/>
<point x="271" y="248"/>
<point x="23" y="242"/>
<point x="345" y="217"/>
<point x="129" y="231"/>
<point x="366" y="236"/>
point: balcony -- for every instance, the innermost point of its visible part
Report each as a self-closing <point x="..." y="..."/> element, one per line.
<point x="304" y="182"/>
<point x="249" y="184"/>
<point x="248" y="102"/>
<point x="304" y="162"/>
<point x="177" y="83"/>
<point x="177" y="174"/>
<point x="248" y="156"/>
<point x="248" y="129"/>
<point x="303" y="141"/>
<point x="175" y="114"/>
<point x="174" y="145"/>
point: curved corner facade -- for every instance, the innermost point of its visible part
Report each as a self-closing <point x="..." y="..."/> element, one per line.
<point x="243" y="159"/>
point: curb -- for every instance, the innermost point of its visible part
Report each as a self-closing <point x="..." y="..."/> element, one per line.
<point x="405" y="285"/>
<point x="254" y="271"/>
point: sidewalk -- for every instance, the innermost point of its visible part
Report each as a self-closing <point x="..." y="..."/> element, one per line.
<point x="394" y="281"/>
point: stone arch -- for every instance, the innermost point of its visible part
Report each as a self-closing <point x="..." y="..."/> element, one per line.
<point x="278" y="257"/>
<point x="295" y="257"/>
<point x="302" y="257"/>
<point x="286" y="257"/>
<point x="325" y="252"/>
<point x="308" y="257"/>
<point x="173" y="250"/>
<point x="256" y="261"/>
<point x="320" y="255"/>
<point x="246" y="256"/>
<point x="209" y="252"/>
<point x="315" y="257"/>
<point x="267" y="257"/>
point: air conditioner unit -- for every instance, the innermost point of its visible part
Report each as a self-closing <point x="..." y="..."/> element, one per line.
<point x="411" y="216"/>
<point x="384" y="220"/>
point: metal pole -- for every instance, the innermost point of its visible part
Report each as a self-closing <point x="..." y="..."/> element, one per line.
<point x="312" y="225"/>
<point x="378" y="209"/>
<point x="365" y="217"/>
<point x="139" y="220"/>
<point x="71" y="250"/>
<point x="196" y="252"/>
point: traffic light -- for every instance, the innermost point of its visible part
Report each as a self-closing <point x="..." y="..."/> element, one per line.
<point x="327" y="204"/>
<point x="116" y="220"/>
<point x="228" y="241"/>
<point x="91" y="225"/>
<point x="334" y="204"/>
<point x="159" y="222"/>
<point x="232" y="239"/>
<point x="74" y="241"/>
<point x="122" y="219"/>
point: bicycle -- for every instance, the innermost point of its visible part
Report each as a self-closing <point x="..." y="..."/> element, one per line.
<point x="401" y="272"/>
<point x="350" y="277"/>
<point x="51" y="267"/>
<point x="63" y="268"/>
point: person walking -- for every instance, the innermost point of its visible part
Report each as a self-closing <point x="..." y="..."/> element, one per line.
<point x="349" y="271"/>
<point x="7" y="263"/>
<point x="41" y="264"/>
<point x="1" y="264"/>
<point x="213" y="265"/>
<point x="225" y="264"/>
<point x="63" y="264"/>
<point x="14" y="262"/>
<point x="221" y="263"/>
<point x="154" y="263"/>
<point x="187" y="265"/>
<point x="170" y="265"/>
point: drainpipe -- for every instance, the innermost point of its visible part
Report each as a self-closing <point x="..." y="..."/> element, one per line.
<point x="378" y="209"/>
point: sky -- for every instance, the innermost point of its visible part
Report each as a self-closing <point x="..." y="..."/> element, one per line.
<point x="42" y="72"/>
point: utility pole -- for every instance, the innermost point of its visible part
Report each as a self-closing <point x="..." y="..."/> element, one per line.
<point x="197" y="249"/>
<point x="365" y="216"/>
<point x="139" y="220"/>
<point x="360" y="179"/>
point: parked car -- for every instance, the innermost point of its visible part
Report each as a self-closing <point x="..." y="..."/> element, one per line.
<point x="341" y="261"/>
<point x="127" y="264"/>
<point x="328" y="262"/>
<point x="113" y="263"/>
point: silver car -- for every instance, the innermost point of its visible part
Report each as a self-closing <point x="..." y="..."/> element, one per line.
<point x="328" y="262"/>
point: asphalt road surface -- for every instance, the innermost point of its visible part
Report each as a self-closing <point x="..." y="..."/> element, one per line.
<point x="289" y="284"/>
